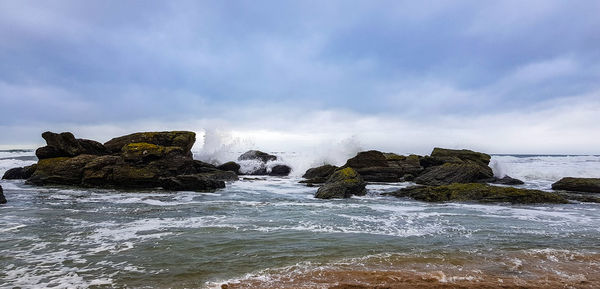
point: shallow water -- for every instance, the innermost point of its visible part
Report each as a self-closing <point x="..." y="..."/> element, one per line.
<point x="265" y="232"/>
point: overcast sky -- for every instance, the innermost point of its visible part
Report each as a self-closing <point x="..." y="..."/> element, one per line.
<point x="404" y="76"/>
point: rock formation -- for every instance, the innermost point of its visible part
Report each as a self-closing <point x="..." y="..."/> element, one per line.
<point x="343" y="183"/>
<point x="585" y="185"/>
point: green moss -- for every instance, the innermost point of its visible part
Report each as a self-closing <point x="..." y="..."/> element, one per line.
<point x="51" y="162"/>
<point x="481" y="193"/>
<point x="393" y="157"/>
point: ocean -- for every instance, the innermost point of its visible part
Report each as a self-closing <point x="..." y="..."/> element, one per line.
<point x="269" y="232"/>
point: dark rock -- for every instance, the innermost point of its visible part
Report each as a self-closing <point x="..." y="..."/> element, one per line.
<point x="219" y="174"/>
<point x="343" y="183"/>
<point x="428" y="161"/>
<point x="19" y="173"/>
<point x="257" y="155"/>
<point x="280" y="170"/>
<point x="197" y="182"/>
<point x="586" y="198"/>
<point x="461" y="156"/>
<point x="506" y="180"/>
<point x="375" y="166"/>
<point x="323" y="171"/>
<point x="453" y="173"/>
<point x="60" y="171"/>
<point x="479" y="192"/>
<point x="182" y="139"/>
<point x="408" y="178"/>
<point x="318" y="175"/>
<point x="230" y="166"/>
<point x="2" y="198"/>
<point x="66" y="145"/>
<point x="586" y="185"/>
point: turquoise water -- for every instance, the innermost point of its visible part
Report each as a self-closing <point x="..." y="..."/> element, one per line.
<point x="260" y="227"/>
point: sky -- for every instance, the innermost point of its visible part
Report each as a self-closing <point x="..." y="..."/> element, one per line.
<point x="401" y="76"/>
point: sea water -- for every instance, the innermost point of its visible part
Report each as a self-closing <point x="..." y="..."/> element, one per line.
<point x="269" y="232"/>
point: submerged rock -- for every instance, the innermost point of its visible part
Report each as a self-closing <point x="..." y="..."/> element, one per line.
<point x="66" y="145"/>
<point x="230" y="166"/>
<point x="20" y="173"/>
<point x="343" y="183"/>
<point x="587" y="185"/>
<point x="280" y="170"/>
<point x="319" y="174"/>
<point x="257" y="155"/>
<point x="196" y="182"/>
<point x="479" y="192"/>
<point x="182" y="139"/>
<point x="375" y="166"/>
<point x="2" y="198"/>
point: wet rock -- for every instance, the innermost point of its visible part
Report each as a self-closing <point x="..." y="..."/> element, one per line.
<point x="587" y="185"/>
<point x="66" y="145"/>
<point x="230" y="166"/>
<point x="453" y="173"/>
<point x="19" y="173"/>
<point x="343" y="183"/>
<point x="257" y="155"/>
<point x="460" y="156"/>
<point x="60" y="171"/>
<point x="196" y="182"/>
<point x="479" y="192"/>
<point x="146" y="152"/>
<point x="506" y="180"/>
<point x="2" y="198"/>
<point x="318" y="175"/>
<point x="182" y="139"/>
<point x="280" y="170"/>
<point x="375" y="166"/>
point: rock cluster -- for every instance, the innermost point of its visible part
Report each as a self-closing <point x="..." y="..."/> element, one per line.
<point x="375" y="166"/>
<point x="139" y="160"/>
<point x="257" y="163"/>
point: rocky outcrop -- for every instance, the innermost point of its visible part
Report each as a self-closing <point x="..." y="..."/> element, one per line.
<point x="280" y="170"/>
<point x="343" y="183"/>
<point x="196" y="182"/>
<point x="2" y="198"/>
<point x="257" y="155"/>
<point x="165" y="159"/>
<point x="375" y="166"/>
<point x="182" y="139"/>
<point x="66" y="145"/>
<point x="20" y="173"/>
<point x="506" y="180"/>
<point x="585" y="185"/>
<point x="446" y="166"/>
<point x="230" y="166"/>
<point x="319" y="174"/>
<point x="480" y="193"/>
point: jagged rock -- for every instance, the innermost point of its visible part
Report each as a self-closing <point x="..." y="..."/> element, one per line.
<point x="586" y="185"/>
<point x="375" y="166"/>
<point x="196" y="182"/>
<point x="2" y="198"/>
<point x="280" y="170"/>
<point x="19" y="173"/>
<point x="230" y="166"/>
<point x="319" y="174"/>
<point x="66" y="145"/>
<point x="478" y="192"/>
<point x="182" y="139"/>
<point x="506" y="180"/>
<point x="457" y="166"/>
<point x="257" y="155"/>
<point x="453" y="173"/>
<point x="343" y="183"/>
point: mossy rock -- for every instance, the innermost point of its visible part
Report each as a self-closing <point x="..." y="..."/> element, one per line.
<point x="319" y="174"/>
<point x="61" y="170"/>
<point x="450" y="155"/>
<point x="375" y="166"/>
<point x="144" y="152"/>
<point x="343" y="183"/>
<point x="454" y="173"/>
<point x="182" y="139"/>
<point x="584" y="185"/>
<point x="480" y="193"/>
